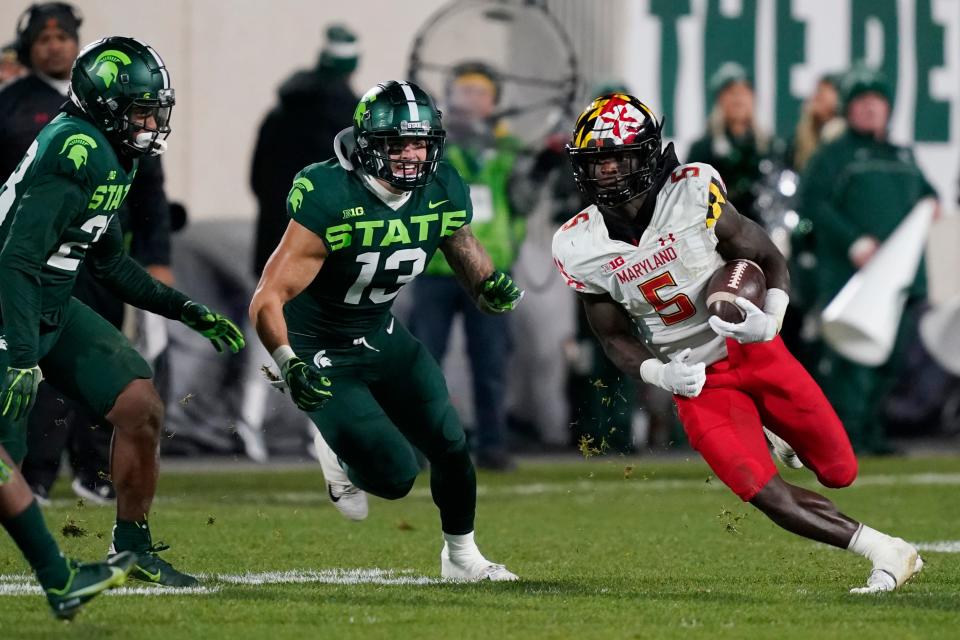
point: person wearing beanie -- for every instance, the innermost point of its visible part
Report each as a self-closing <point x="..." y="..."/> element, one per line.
<point x="313" y="104"/>
<point x="47" y="43"/>
<point x="311" y="108"/>
<point x="733" y="143"/>
<point x="856" y="190"/>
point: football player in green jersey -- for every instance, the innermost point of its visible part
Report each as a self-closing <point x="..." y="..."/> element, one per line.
<point x="362" y="225"/>
<point x="67" y="583"/>
<point x="57" y="210"/>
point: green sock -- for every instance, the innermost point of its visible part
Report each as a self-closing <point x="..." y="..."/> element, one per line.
<point x="29" y="530"/>
<point x="131" y="536"/>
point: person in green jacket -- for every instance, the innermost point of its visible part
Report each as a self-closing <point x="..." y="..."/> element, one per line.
<point x="485" y="157"/>
<point x="733" y="143"/>
<point x="856" y="190"/>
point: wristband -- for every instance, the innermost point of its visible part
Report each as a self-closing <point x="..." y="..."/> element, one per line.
<point x="650" y="371"/>
<point x="776" y="305"/>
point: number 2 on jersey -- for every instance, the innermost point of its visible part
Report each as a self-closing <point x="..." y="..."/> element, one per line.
<point x="671" y="310"/>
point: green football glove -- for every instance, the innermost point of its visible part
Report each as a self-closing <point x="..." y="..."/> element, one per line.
<point x="309" y="389"/>
<point x="213" y="326"/>
<point x="19" y="391"/>
<point x="499" y="293"/>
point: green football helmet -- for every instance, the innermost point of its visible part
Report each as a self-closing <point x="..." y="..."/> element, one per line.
<point x="120" y="83"/>
<point x="386" y="115"/>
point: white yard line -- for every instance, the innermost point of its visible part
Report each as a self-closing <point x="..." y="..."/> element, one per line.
<point x="332" y="576"/>
<point x="942" y="546"/>
<point x="22" y="584"/>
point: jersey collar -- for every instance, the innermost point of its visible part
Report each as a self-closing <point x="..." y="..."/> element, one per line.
<point x="389" y="198"/>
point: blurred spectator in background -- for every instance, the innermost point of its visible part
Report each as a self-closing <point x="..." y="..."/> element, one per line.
<point x="856" y="190"/>
<point x="10" y="66"/>
<point x="298" y="131"/>
<point x="47" y="45"/>
<point x="820" y="121"/>
<point x="733" y="143"/>
<point x="486" y="159"/>
<point x="314" y="104"/>
<point x="47" y="42"/>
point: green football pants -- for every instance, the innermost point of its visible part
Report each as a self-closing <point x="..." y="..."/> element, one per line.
<point x="388" y="394"/>
<point x="85" y="358"/>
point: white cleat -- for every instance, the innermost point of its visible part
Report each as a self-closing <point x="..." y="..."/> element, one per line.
<point x="783" y="451"/>
<point x="349" y="500"/>
<point x="892" y="568"/>
<point x="472" y="567"/>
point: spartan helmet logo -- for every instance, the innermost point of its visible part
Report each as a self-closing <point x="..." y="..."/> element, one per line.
<point x="296" y="193"/>
<point x="75" y="148"/>
<point x="106" y="65"/>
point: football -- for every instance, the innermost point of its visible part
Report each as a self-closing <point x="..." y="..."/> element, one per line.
<point x="737" y="278"/>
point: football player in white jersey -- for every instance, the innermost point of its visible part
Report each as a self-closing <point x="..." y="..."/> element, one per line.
<point x="639" y="259"/>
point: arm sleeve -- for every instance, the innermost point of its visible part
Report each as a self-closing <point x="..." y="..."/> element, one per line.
<point x="128" y="280"/>
<point x="149" y="215"/>
<point x="817" y="203"/>
<point x="44" y="213"/>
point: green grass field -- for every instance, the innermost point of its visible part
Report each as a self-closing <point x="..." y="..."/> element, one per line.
<point x="607" y="548"/>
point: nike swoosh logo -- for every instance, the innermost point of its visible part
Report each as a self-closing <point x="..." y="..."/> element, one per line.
<point x="330" y="493"/>
<point x="390" y="328"/>
<point x="153" y="577"/>
<point x="434" y="205"/>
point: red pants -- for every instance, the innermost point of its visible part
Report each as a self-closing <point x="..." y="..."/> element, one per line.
<point x="757" y="385"/>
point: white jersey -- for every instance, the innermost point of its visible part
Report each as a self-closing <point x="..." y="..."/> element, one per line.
<point x="661" y="281"/>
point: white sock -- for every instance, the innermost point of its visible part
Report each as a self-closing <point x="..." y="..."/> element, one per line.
<point x="460" y="545"/>
<point x="867" y="541"/>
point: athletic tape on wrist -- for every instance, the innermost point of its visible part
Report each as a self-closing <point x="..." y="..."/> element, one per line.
<point x="282" y="355"/>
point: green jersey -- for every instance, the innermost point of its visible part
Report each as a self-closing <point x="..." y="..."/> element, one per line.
<point x="58" y="206"/>
<point x="373" y="250"/>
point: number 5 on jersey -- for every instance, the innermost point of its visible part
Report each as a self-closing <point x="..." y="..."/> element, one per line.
<point x="671" y="310"/>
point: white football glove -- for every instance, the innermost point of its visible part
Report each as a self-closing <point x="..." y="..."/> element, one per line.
<point x="677" y="376"/>
<point x="760" y="325"/>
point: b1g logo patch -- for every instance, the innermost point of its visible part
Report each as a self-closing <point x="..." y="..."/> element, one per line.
<point x="613" y="265"/>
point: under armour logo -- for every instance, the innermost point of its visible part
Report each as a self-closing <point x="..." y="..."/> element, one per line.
<point x="663" y="241"/>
